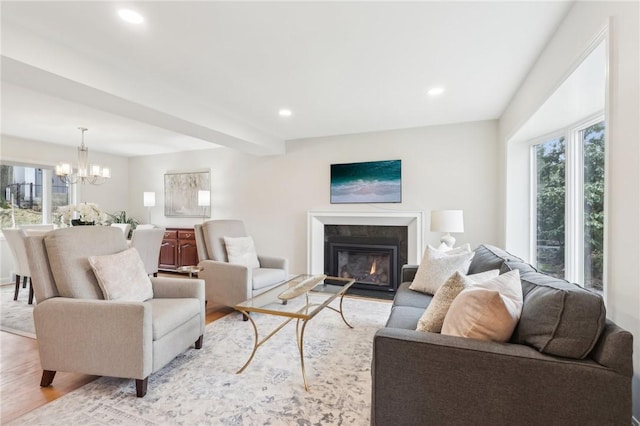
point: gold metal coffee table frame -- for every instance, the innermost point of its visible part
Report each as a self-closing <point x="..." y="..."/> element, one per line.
<point x="297" y="308"/>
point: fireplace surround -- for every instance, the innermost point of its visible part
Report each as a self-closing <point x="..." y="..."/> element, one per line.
<point x="318" y="254"/>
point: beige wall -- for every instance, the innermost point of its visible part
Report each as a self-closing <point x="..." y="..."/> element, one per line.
<point x="453" y="166"/>
<point x="565" y="50"/>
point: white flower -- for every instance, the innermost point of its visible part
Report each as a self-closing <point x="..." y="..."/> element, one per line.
<point x="85" y="212"/>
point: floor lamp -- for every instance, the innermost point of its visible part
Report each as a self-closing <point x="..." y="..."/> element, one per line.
<point x="149" y="200"/>
<point x="204" y="200"/>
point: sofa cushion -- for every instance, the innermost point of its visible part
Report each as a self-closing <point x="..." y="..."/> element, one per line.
<point x="488" y="310"/>
<point x="68" y="250"/>
<point x="437" y="266"/>
<point x="121" y="276"/>
<point x="405" y="317"/>
<point x="512" y="265"/>
<point x="433" y="317"/>
<point x="168" y="314"/>
<point x="559" y="318"/>
<point x="407" y="297"/>
<point x="488" y="257"/>
<point x="242" y="251"/>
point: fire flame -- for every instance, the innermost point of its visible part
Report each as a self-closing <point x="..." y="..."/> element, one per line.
<point x="373" y="267"/>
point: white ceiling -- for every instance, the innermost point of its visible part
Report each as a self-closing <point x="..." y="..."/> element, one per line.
<point x="203" y="74"/>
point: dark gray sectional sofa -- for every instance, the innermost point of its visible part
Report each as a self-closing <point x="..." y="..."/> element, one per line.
<point x="566" y="364"/>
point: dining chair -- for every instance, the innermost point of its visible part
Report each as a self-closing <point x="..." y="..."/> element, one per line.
<point x="16" y="240"/>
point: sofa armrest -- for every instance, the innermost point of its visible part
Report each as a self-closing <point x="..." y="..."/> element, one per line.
<point x="98" y="337"/>
<point x="418" y="377"/>
<point x="225" y="283"/>
<point x="174" y="287"/>
<point x="274" y="263"/>
<point x="408" y="272"/>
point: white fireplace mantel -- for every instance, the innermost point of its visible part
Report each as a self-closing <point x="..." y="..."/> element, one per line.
<point x="316" y="220"/>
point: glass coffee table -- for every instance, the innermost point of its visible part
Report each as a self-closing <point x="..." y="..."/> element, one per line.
<point x="291" y="301"/>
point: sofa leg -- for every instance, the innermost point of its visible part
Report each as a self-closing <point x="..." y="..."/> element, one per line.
<point x="245" y="317"/>
<point x="141" y="387"/>
<point x="199" y="341"/>
<point x="47" y="378"/>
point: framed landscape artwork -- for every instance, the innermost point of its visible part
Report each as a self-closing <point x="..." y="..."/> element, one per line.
<point x="367" y="182"/>
<point x="181" y="193"/>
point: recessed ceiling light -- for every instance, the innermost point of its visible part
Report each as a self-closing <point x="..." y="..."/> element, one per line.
<point x="434" y="91"/>
<point x="285" y="112"/>
<point x="130" y="16"/>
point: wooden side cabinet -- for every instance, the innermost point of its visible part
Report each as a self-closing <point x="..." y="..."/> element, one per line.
<point x="178" y="249"/>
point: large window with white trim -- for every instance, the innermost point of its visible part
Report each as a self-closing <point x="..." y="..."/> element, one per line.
<point x="568" y="202"/>
<point x="29" y="195"/>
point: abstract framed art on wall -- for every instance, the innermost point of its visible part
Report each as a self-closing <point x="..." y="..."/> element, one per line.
<point x="367" y="182"/>
<point x="181" y="193"/>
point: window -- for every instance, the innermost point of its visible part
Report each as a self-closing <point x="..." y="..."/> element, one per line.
<point x="568" y="228"/>
<point x="29" y="194"/>
<point x="550" y="206"/>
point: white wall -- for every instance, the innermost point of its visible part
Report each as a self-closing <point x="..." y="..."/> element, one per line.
<point x="453" y="166"/>
<point x="564" y="51"/>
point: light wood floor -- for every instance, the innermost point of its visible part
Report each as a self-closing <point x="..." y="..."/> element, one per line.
<point x="20" y="374"/>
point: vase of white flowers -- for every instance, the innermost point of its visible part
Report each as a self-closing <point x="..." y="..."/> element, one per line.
<point x="80" y="214"/>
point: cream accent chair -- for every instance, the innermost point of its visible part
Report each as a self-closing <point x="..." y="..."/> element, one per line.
<point x="79" y="331"/>
<point x="125" y="227"/>
<point x="16" y="240"/>
<point x="145" y="226"/>
<point x="229" y="284"/>
<point x="148" y="242"/>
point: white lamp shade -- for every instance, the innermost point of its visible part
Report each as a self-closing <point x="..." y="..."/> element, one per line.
<point x="204" y="198"/>
<point x="149" y="199"/>
<point x="447" y="221"/>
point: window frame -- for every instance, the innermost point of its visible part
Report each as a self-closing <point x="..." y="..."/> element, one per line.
<point x="47" y="175"/>
<point x="574" y="195"/>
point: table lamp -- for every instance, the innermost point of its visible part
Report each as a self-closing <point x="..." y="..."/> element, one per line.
<point x="204" y="199"/>
<point x="447" y="221"/>
<point x="149" y="200"/>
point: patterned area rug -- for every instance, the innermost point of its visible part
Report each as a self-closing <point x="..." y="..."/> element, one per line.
<point x="201" y="387"/>
<point x="16" y="316"/>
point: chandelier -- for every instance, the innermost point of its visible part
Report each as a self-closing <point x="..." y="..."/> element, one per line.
<point x="85" y="172"/>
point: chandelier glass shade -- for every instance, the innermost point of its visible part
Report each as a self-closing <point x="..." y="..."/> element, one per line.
<point x="85" y="172"/>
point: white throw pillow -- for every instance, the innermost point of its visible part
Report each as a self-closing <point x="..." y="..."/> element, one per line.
<point x="433" y="317"/>
<point x="121" y="276"/>
<point x="465" y="248"/>
<point x="436" y="267"/>
<point x="242" y="251"/>
<point x="486" y="311"/>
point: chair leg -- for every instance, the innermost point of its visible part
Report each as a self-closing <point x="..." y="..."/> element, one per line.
<point x="47" y="378"/>
<point x="15" y="294"/>
<point x="199" y="341"/>
<point x="141" y="387"/>
<point x="30" y="291"/>
<point x="155" y="274"/>
<point x="24" y="282"/>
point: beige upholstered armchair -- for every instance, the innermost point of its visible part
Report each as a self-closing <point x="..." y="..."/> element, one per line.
<point x="79" y="331"/>
<point x="229" y="283"/>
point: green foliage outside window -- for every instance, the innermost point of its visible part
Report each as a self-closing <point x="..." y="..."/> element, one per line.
<point x="551" y="201"/>
<point x="550" y="226"/>
<point x="593" y="146"/>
